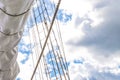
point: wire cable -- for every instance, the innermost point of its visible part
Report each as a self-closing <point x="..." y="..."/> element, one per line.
<point x="46" y="39"/>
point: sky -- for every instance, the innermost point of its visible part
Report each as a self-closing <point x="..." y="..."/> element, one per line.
<point x="90" y="31"/>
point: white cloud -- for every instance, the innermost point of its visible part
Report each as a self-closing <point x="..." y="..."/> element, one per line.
<point x="92" y="34"/>
<point x="106" y="36"/>
<point x="25" y="69"/>
<point x="80" y="7"/>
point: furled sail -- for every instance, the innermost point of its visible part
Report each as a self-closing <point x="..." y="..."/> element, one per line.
<point x="13" y="15"/>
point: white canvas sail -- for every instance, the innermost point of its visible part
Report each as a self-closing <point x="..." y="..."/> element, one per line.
<point x="13" y="15"/>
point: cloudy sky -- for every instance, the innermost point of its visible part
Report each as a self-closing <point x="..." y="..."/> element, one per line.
<point x="90" y="31"/>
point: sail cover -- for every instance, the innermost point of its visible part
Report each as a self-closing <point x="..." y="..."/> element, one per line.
<point x="13" y="15"/>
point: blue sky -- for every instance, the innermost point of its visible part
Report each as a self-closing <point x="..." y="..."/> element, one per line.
<point x="90" y="31"/>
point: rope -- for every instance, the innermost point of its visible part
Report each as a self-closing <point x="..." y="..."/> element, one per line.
<point x="58" y="67"/>
<point x="46" y="40"/>
<point x="46" y="67"/>
<point x="31" y="47"/>
<point x="39" y="42"/>
<point x="60" y="37"/>
<point x="16" y="15"/>
<point x="65" y="65"/>
<point x="45" y="21"/>
<point x="48" y="44"/>
<point x="7" y="34"/>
